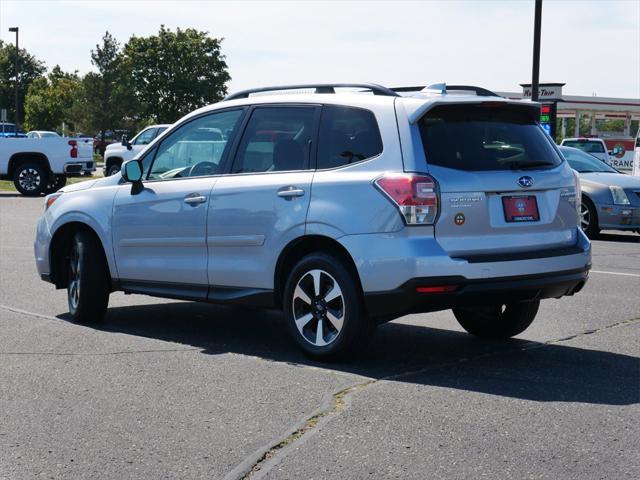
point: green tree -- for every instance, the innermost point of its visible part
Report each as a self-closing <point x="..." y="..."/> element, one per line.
<point x="50" y="100"/>
<point x="173" y="73"/>
<point x="106" y="99"/>
<point x="30" y="69"/>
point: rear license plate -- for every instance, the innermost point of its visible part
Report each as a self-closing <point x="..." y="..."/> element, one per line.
<point x="520" y="208"/>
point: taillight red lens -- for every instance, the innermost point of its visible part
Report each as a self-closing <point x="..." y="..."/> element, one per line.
<point x="415" y="195"/>
<point x="74" y="148"/>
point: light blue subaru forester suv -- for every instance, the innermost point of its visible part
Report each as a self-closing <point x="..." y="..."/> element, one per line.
<point x="344" y="205"/>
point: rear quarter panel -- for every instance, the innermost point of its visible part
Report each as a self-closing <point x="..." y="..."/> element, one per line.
<point x="345" y="200"/>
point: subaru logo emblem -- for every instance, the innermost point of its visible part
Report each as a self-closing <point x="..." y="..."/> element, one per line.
<point x="525" y="181"/>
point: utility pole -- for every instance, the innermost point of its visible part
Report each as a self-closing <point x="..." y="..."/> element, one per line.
<point x="537" y="25"/>
<point x="15" y="29"/>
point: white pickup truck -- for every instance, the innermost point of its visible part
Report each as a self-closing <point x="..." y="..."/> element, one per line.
<point x="118" y="153"/>
<point x="41" y="165"/>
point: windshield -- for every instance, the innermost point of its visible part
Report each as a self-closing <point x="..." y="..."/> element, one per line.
<point x="585" y="163"/>
<point x="585" y="145"/>
<point x="485" y="137"/>
<point x="49" y="135"/>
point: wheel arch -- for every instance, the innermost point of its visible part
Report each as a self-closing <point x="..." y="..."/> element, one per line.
<point x="302" y="246"/>
<point x="110" y="161"/>
<point x="24" y="157"/>
<point x="59" y="249"/>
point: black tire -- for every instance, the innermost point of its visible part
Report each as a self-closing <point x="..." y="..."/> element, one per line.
<point x="113" y="169"/>
<point x="497" y="321"/>
<point x="30" y="179"/>
<point x="347" y="311"/>
<point x="589" y="218"/>
<point x="88" y="285"/>
<point x="56" y="183"/>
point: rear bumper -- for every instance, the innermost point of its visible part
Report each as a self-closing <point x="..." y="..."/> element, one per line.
<point x="79" y="167"/>
<point x="466" y="292"/>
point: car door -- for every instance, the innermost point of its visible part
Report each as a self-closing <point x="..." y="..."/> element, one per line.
<point x="159" y="234"/>
<point x="261" y="203"/>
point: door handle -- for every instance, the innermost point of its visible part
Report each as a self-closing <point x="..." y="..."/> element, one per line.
<point x="290" y="192"/>
<point x="194" y="199"/>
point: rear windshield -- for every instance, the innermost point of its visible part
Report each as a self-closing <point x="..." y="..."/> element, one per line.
<point x="585" y="146"/>
<point x="481" y="137"/>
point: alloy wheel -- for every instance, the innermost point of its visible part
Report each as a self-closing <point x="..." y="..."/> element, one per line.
<point x="74" y="279"/>
<point x="585" y="217"/>
<point x="318" y="308"/>
<point x="29" y="179"/>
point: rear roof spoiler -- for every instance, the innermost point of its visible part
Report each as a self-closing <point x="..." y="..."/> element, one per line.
<point x="417" y="113"/>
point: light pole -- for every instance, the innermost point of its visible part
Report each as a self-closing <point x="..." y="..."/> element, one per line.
<point x="15" y="29"/>
<point x="537" y="24"/>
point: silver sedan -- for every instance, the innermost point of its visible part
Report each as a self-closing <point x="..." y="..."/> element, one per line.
<point x="610" y="199"/>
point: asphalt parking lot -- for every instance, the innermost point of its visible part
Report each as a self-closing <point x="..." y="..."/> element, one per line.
<point x="167" y="389"/>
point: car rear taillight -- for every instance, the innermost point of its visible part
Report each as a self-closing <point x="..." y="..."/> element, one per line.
<point x="74" y="148"/>
<point x="414" y="194"/>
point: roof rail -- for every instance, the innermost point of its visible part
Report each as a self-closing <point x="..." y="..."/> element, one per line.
<point x="319" y="88"/>
<point x="479" y="91"/>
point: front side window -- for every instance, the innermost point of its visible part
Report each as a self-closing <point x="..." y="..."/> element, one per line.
<point x="485" y="137"/>
<point x="195" y="148"/>
<point x="145" y="137"/>
<point x="276" y="139"/>
<point x="347" y="135"/>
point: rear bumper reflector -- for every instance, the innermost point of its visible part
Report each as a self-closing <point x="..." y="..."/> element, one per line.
<point x="437" y="289"/>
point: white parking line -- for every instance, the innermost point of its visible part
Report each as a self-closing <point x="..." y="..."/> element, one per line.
<point x="617" y="273"/>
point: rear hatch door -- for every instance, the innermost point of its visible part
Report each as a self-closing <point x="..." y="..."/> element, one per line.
<point x="504" y="188"/>
<point x="85" y="149"/>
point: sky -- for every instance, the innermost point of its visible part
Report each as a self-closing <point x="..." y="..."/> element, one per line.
<point x="592" y="45"/>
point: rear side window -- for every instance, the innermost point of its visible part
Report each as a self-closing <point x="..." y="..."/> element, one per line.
<point x="589" y="147"/>
<point x="276" y="139"/>
<point x="482" y="137"/>
<point x="347" y="135"/>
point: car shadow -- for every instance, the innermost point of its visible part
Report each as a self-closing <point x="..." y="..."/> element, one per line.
<point x="627" y="237"/>
<point x="404" y="353"/>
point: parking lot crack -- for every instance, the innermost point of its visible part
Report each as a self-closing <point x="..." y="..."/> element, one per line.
<point x="27" y="313"/>
<point x="263" y="463"/>
<point x="99" y="354"/>
<point x="527" y="346"/>
<point x="338" y="403"/>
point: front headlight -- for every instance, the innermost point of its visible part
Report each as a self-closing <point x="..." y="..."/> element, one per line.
<point x="619" y="197"/>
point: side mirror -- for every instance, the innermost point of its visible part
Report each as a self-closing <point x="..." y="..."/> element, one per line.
<point x="132" y="172"/>
<point x="126" y="143"/>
